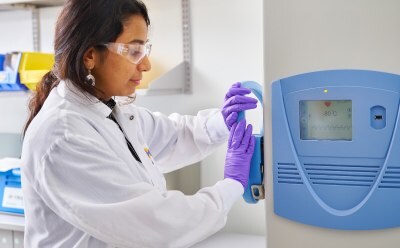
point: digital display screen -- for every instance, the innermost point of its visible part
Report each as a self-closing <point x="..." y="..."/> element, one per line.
<point x="326" y="120"/>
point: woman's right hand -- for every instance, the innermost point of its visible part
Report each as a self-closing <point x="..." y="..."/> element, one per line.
<point x="240" y="151"/>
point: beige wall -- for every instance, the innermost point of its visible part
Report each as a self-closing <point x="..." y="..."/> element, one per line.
<point x="310" y="35"/>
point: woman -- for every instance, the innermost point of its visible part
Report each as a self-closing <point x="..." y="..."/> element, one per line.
<point x="92" y="168"/>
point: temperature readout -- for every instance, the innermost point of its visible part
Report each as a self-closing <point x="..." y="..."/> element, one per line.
<point x="326" y="120"/>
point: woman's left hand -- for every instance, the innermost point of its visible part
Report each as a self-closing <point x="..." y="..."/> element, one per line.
<point x="236" y="101"/>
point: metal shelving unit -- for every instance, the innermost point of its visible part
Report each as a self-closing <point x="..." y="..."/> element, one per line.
<point x="33" y="6"/>
<point x="12" y="4"/>
<point x="178" y="80"/>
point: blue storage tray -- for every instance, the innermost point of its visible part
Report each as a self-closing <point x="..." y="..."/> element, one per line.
<point x="9" y="81"/>
<point x="10" y="183"/>
<point x="9" y="76"/>
<point x="2" y="57"/>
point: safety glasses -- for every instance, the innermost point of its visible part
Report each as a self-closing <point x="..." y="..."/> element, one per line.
<point x="133" y="52"/>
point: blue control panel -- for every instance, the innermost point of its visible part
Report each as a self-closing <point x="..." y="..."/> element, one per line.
<point x="336" y="149"/>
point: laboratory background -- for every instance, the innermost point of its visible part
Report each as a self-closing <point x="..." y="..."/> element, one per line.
<point x="200" y="48"/>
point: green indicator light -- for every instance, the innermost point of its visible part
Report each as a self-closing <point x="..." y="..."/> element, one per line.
<point x="325" y="91"/>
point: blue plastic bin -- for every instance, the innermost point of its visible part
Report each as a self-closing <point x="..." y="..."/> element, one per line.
<point x="9" y="76"/>
<point x="11" y="200"/>
<point x="2" y="57"/>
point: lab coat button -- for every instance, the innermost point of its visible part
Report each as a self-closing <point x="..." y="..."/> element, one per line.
<point x="131" y="117"/>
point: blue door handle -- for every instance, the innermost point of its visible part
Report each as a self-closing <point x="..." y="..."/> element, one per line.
<point x="255" y="189"/>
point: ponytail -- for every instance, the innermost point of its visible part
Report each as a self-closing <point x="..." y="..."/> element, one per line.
<point x="48" y="82"/>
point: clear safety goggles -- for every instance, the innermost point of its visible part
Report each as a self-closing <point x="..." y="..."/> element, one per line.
<point x="133" y="52"/>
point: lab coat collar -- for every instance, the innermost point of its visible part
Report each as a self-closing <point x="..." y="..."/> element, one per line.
<point x="69" y="91"/>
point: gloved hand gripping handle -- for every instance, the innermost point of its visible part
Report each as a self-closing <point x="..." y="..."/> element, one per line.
<point x="255" y="189"/>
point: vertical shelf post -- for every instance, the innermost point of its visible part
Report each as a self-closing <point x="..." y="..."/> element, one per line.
<point x="35" y="28"/>
<point x="187" y="46"/>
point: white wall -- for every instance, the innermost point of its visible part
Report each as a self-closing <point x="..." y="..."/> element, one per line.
<point x="16" y="31"/>
<point x="227" y="47"/>
<point x="227" y="37"/>
<point x="310" y="35"/>
<point x="13" y="105"/>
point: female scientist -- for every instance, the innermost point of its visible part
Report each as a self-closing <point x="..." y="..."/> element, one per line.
<point x="92" y="171"/>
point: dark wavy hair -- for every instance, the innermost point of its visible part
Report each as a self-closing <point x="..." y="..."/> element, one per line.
<point x="82" y="24"/>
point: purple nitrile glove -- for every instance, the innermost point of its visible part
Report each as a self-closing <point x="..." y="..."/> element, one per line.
<point x="236" y="101"/>
<point x="240" y="150"/>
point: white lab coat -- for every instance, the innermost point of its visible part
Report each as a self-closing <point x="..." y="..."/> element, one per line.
<point x="83" y="188"/>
